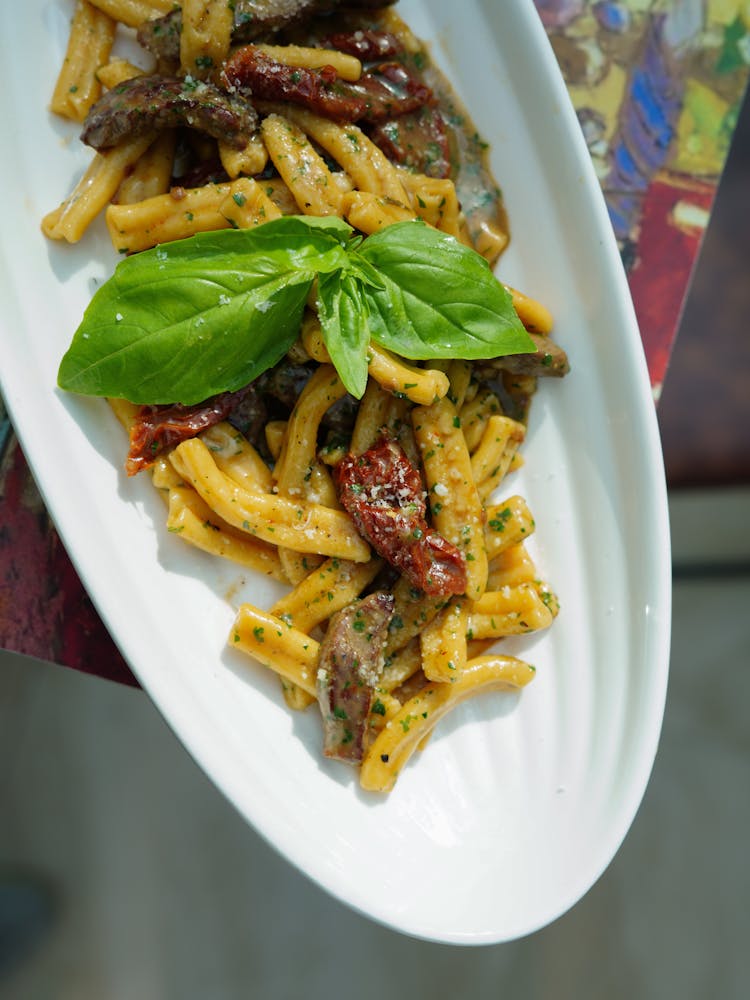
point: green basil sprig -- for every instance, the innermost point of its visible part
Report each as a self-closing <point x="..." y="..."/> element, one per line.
<point x="209" y="314"/>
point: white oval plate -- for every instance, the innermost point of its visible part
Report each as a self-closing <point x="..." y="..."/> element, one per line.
<point x="518" y="803"/>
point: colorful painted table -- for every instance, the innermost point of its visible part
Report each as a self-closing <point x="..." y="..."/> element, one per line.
<point x="657" y="88"/>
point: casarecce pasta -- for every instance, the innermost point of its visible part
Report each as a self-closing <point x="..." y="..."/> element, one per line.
<point x="379" y="513"/>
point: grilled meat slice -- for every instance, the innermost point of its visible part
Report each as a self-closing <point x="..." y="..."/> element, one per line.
<point x="284" y="382"/>
<point x="161" y="37"/>
<point x="147" y="102"/>
<point x="349" y="668"/>
<point x="548" y="359"/>
<point x="253" y="18"/>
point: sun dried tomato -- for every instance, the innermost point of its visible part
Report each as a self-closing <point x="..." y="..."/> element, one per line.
<point x="382" y="492"/>
<point x="365" y="44"/>
<point x="390" y="90"/>
<point x="157" y="428"/>
<point x="319" y="90"/>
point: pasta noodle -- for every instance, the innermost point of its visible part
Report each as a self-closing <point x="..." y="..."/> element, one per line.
<point x="495" y="451"/>
<point x="362" y="160"/>
<point x="92" y="34"/>
<point x="434" y="200"/>
<point x="447" y="468"/>
<point x="246" y="204"/>
<point x="510" y="611"/>
<point x="506" y="524"/>
<point x="333" y="585"/>
<point x="166" y="217"/>
<point x="236" y="457"/>
<point x="197" y="523"/>
<point x="370" y="212"/>
<point x="298" y="524"/>
<point x="443" y="643"/>
<point x="420" y="385"/>
<point x="298" y="472"/>
<point x="150" y="176"/>
<point x="249" y="160"/>
<point x="304" y="171"/>
<point x="117" y="71"/>
<point x="395" y="375"/>
<point x="274" y="642"/>
<point x="347" y="67"/>
<point x="419" y="715"/>
<point x="96" y="188"/>
<point x="133" y="12"/>
<point x="401" y="665"/>
<point x="533" y="314"/>
<point x="412" y="612"/>
<point x="262" y="486"/>
<point x="511" y="567"/>
<point x="205" y="35"/>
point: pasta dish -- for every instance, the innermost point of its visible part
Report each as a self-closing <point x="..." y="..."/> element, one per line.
<point x="308" y="348"/>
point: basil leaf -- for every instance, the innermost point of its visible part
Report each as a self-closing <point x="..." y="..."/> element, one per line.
<point x="440" y="299"/>
<point x="187" y="320"/>
<point x="343" y="317"/>
<point x="362" y="270"/>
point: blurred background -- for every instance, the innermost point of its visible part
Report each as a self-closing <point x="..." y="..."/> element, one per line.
<point x="125" y="875"/>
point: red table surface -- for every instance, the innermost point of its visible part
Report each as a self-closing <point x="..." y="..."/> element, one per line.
<point x="657" y="95"/>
